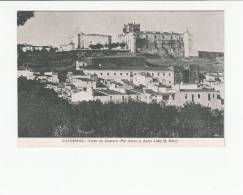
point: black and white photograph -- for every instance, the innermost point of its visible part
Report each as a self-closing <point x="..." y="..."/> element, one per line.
<point x="120" y="74"/>
<point x="121" y="97"/>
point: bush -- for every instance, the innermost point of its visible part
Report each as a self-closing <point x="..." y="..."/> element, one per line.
<point x="41" y="113"/>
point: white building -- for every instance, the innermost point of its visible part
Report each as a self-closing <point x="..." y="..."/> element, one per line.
<point x="105" y="95"/>
<point x="26" y="47"/>
<point x="28" y="74"/>
<point x="51" y="77"/>
<point x="109" y="74"/>
<point x="185" y="86"/>
<point x="83" y="41"/>
<point x="73" y="77"/>
<point x="215" y="81"/>
<point x="164" y="75"/>
<point x="83" y="83"/>
<point x="66" y="47"/>
<point x="142" y="79"/>
<point x="214" y="77"/>
<point x="205" y="97"/>
<point x="80" y="65"/>
<point x="82" y="95"/>
<point x="115" y="86"/>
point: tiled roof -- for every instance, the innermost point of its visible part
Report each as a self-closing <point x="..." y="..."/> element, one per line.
<point x="84" y="79"/>
<point x="98" y="93"/>
<point x="132" y="68"/>
<point x="110" y="92"/>
<point x="198" y="90"/>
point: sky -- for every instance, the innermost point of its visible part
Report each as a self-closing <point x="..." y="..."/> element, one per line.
<point x="55" y="28"/>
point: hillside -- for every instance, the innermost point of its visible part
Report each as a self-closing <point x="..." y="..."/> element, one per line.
<point x="46" y="61"/>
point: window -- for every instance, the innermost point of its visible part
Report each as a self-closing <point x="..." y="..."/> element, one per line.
<point x="114" y="73"/>
<point x="107" y="74"/>
<point x="163" y="74"/>
<point x="121" y="74"/>
<point x="127" y="74"/>
<point x="169" y="74"/>
<point x="209" y="97"/>
<point x="110" y="97"/>
<point x="152" y="74"/>
<point x="198" y="95"/>
<point x="170" y="82"/>
<point x="213" y="95"/>
<point x="101" y="73"/>
<point x="158" y="74"/>
<point x="155" y="37"/>
<point x="185" y="96"/>
<point x="123" y="99"/>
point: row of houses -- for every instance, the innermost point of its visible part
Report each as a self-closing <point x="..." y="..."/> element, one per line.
<point x="143" y="77"/>
<point x="123" y="90"/>
<point x="51" y="77"/>
<point x="206" y="97"/>
<point x="30" y="48"/>
<point x="124" y="85"/>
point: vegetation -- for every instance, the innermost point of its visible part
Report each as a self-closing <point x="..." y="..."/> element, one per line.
<point x="46" y="60"/>
<point x="109" y="46"/>
<point x="23" y="16"/>
<point x="42" y="114"/>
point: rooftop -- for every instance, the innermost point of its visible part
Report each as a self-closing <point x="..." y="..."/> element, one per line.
<point x="197" y="90"/>
<point x="131" y="92"/>
<point x="101" y="85"/>
<point x="116" y="83"/>
<point x="85" y="79"/>
<point x="159" y="32"/>
<point x="127" y="82"/>
<point x="132" y="68"/>
<point x="110" y="92"/>
<point x="99" y="35"/>
<point x="145" y="74"/>
<point x="98" y="93"/>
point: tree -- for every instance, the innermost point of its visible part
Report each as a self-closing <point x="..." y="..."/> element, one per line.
<point x="23" y="16"/>
<point x="41" y="113"/>
<point x="97" y="46"/>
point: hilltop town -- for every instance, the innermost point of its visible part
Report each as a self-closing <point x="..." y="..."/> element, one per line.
<point x="143" y="66"/>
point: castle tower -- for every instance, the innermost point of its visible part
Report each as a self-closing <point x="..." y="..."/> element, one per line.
<point x="131" y="27"/>
<point x="132" y="42"/>
<point x="188" y="43"/>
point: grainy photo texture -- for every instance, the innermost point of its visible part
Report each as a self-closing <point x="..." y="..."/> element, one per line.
<point x="143" y="74"/>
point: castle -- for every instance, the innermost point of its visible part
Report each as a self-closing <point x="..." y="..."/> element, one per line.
<point x="84" y="41"/>
<point x="162" y="43"/>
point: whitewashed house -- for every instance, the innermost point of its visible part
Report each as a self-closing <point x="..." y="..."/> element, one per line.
<point x="51" y="77"/>
<point x="28" y="74"/>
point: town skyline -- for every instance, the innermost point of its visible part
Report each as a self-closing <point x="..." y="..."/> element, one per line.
<point x="207" y="27"/>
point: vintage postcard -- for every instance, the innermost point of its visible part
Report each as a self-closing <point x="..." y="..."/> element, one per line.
<point x="120" y="78"/>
